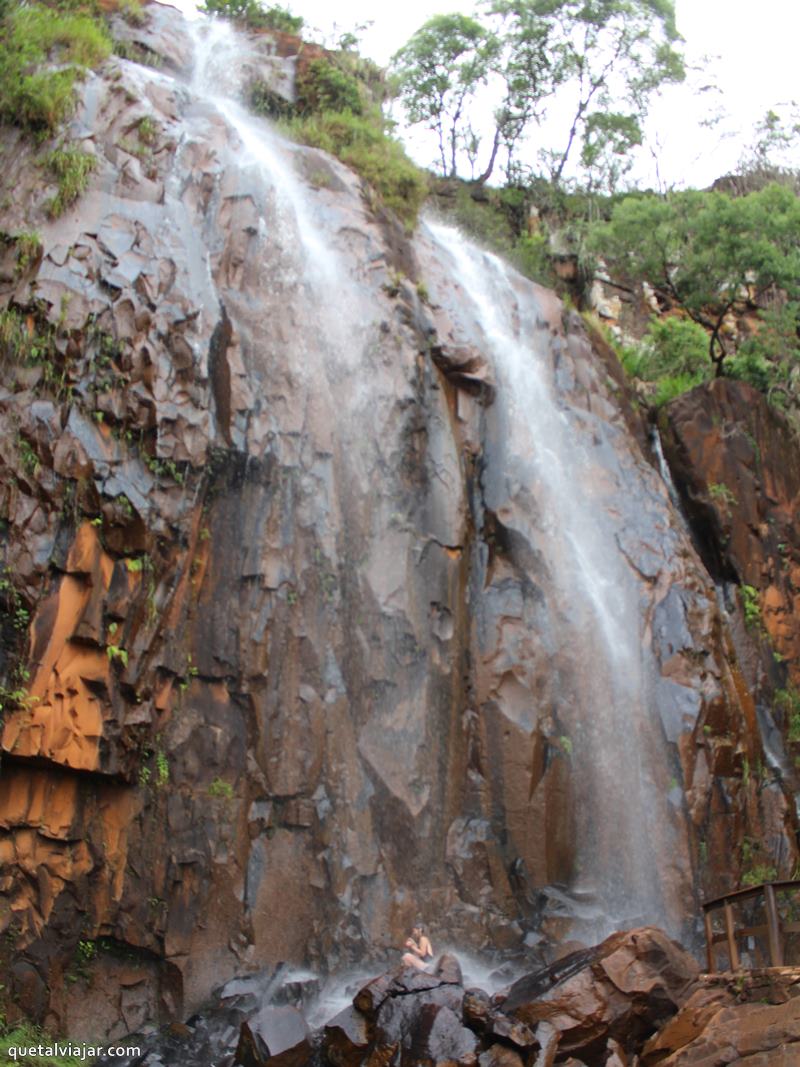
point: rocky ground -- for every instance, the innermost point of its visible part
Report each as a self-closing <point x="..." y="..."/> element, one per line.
<point x="636" y="1000"/>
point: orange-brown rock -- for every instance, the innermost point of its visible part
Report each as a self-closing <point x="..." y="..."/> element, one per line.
<point x="625" y="990"/>
<point x="737" y="463"/>
<point x="753" y="1035"/>
<point x="724" y="1021"/>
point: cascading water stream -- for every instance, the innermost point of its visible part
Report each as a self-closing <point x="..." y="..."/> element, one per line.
<point x="542" y="479"/>
<point x="219" y="52"/>
<point x="542" y="456"/>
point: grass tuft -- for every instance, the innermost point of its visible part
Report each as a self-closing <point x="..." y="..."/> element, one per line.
<point x="361" y="143"/>
<point x="72" y="168"/>
<point x="41" y="100"/>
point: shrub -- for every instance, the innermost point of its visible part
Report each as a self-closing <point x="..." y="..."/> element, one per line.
<point x="721" y="494"/>
<point x="761" y="872"/>
<point x="265" y="101"/>
<point x="673" y="386"/>
<point x="363" y="144"/>
<point x="255" y="15"/>
<point x="678" y="347"/>
<point x="325" y="86"/>
<point x="766" y="359"/>
<point x="220" y="788"/>
<point x="673" y="356"/>
<point x="788" y="701"/>
<point x="41" y="100"/>
<point x="751" y="606"/>
<point x="26" y="1034"/>
<point x="531" y="257"/>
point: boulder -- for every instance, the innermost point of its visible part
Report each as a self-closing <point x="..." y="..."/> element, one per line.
<point x="625" y="989"/>
<point x="275" y="1037"/>
<point x="753" y="1035"/>
<point x="477" y="1009"/>
<point x="689" y="1023"/>
<point x="500" y="1056"/>
<point x="346" y="1038"/>
<point x="439" y="1038"/>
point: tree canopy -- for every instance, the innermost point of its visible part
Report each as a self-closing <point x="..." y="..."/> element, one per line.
<point x="706" y="252"/>
<point x="600" y="61"/>
<point x="438" y="70"/>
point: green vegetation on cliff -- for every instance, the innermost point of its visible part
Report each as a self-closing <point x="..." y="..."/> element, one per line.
<point x="708" y="254"/>
<point x="24" y="1034"/>
<point x="33" y="96"/>
<point x="339" y="109"/>
<point x="364" y="144"/>
<point x="256" y="15"/>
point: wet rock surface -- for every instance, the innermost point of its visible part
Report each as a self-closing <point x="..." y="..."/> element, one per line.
<point x="736" y="465"/>
<point x="283" y="661"/>
<point x="621" y="992"/>
<point x="635" y="999"/>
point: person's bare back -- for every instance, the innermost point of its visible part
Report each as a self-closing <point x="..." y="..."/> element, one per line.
<point x="420" y="950"/>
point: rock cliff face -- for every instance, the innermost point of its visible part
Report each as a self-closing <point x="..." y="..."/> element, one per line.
<point x="283" y="651"/>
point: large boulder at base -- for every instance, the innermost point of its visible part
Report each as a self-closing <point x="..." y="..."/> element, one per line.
<point x="411" y="1017"/>
<point x="749" y="1019"/>
<point x="275" y="1037"/>
<point x="405" y="980"/>
<point x="500" y="1056"/>
<point x="627" y="988"/>
<point x="346" y="1038"/>
<point x="753" y="1035"/>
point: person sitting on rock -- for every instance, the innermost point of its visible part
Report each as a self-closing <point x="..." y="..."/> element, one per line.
<point x="419" y="949"/>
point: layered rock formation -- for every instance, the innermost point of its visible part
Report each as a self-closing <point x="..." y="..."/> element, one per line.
<point x="279" y="646"/>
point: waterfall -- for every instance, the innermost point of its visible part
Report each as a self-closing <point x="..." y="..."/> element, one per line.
<point x="550" y="478"/>
<point x="319" y="349"/>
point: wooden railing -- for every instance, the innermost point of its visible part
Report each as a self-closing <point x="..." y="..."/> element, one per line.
<point x="774" y="934"/>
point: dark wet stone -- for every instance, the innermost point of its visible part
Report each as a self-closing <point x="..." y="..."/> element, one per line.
<point x="346" y="1038"/>
<point x="275" y="1037"/>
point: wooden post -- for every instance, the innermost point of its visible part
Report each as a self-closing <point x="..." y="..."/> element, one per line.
<point x="774" y="927"/>
<point x="733" y="953"/>
<point x="710" y="954"/>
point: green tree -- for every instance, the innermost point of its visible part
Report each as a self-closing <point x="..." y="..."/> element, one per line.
<point x="602" y="60"/>
<point x="707" y="252"/>
<point x="438" y="71"/>
<point x="773" y="153"/>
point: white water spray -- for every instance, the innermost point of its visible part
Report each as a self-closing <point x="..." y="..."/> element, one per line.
<point x="542" y="478"/>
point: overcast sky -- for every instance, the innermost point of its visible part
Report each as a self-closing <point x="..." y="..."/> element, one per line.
<point x="755" y="41"/>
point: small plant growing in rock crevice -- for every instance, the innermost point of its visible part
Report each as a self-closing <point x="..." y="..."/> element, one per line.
<point x="116" y="652"/>
<point x="162" y="768"/>
<point x="721" y="494"/>
<point x="27" y="454"/>
<point x="72" y="167"/>
<point x="28" y="247"/>
<point x="750" y="606"/>
<point x="220" y="788"/>
<point x="788" y="701"/>
<point x="760" y="872"/>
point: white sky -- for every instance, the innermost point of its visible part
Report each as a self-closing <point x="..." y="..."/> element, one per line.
<point x="758" y="67"/>
<point x="753" y="45"/>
